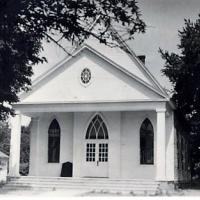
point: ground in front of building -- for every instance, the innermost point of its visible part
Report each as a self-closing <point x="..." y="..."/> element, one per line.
<point x="79" y="193"/>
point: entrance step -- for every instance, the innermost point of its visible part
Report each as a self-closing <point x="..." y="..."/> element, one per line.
<point x="127" y="186"/>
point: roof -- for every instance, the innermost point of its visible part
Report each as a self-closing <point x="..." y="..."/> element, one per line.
<point x="122" y="56"/>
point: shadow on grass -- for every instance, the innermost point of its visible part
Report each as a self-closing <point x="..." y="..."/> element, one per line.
<point x="193" y="185"/>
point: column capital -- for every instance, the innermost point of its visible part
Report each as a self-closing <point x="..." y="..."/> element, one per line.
<point x="17" y="112"/>
<point x="160" y="110"/>
<point x="35" y="118"/>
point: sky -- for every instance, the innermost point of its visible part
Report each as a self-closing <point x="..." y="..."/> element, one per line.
<point x="163" y="19"/>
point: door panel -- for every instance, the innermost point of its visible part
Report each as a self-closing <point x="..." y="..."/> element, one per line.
<point x="103" y="152"/>
<point x="96" y="149"/>
<point x="90" y="152"/>
<point x="96" y="161"/>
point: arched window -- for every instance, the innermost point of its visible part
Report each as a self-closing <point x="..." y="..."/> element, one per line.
<point x="54" y="142"/>
<point x="146" y="143"/>
<point x="97" y="129"/>
<point x="97" y="150"/>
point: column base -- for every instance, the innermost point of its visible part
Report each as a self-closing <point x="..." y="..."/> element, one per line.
<point x="167" y="188"/>
<point x="161" y="178"/>
<point x="14" y="174"/>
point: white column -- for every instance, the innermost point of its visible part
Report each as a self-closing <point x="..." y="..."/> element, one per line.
<point x="78" y="147"/>
<point x="161" y="146"/>
<point x="34" y="147"/>
<point x="170" y="148"/>
<point x="114" y="147"/>
<point x="15" y="140"/>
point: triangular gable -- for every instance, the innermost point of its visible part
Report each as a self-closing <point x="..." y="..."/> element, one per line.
<point x="122" y="58"/>
<point x="128" y="92"/>
<point x="126" y="60"/>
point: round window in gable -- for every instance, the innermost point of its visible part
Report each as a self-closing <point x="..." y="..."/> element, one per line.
<point x="85" y="76"/>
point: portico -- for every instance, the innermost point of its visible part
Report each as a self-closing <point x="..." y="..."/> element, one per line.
<point x="78" y="116"/>
<point x="102" y="111"/>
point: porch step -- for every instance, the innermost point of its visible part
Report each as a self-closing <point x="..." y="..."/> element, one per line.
<point x="133" y="186"/>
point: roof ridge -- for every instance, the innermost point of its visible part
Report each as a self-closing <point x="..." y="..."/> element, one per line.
<point x="102" y="56"/>
<point x="122" y="44"/>
<point x="128" y="50"/>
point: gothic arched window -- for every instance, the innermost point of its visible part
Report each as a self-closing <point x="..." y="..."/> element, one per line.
<point x="97" y="141"/>
<point x="54" y="142"/>
<point x="146" y="143"/>
<point x="97" y="129"/>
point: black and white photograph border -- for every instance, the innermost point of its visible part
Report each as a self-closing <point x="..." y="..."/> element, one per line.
<point x="99" y="99"/>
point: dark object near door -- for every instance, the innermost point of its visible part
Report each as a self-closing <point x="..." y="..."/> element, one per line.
<point x="66" y="170"/>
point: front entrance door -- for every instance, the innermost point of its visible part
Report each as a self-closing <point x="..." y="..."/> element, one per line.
<point x="97" y="147"/>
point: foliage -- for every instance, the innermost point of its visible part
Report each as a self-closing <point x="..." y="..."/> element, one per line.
<point x="24" y="24"/>
<point x="4" y="138"/>
<point x="24" y="148"/>
<point x="183" y="71"/>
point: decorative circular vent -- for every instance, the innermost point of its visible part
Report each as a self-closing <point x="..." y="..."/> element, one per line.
<point x="85" y="76"/>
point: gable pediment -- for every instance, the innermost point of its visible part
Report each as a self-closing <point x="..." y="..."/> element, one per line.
<point x="109" y="82"/>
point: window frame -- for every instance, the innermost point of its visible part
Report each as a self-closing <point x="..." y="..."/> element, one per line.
<point x="146" y="137"/>
<point x="54" y="139"/>
<point x="97" y="124"/>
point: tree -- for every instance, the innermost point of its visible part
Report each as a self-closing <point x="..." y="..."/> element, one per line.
<point x="24" y="148"/>
<point x="183" y="71"/>
<point x="4" y="138"/>
<point x="24" y="24"/>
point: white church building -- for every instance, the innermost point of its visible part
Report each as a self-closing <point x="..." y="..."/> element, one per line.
<point x="101" y="110"/>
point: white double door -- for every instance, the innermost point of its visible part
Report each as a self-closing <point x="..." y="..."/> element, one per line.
<point x="96" y="158"/>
